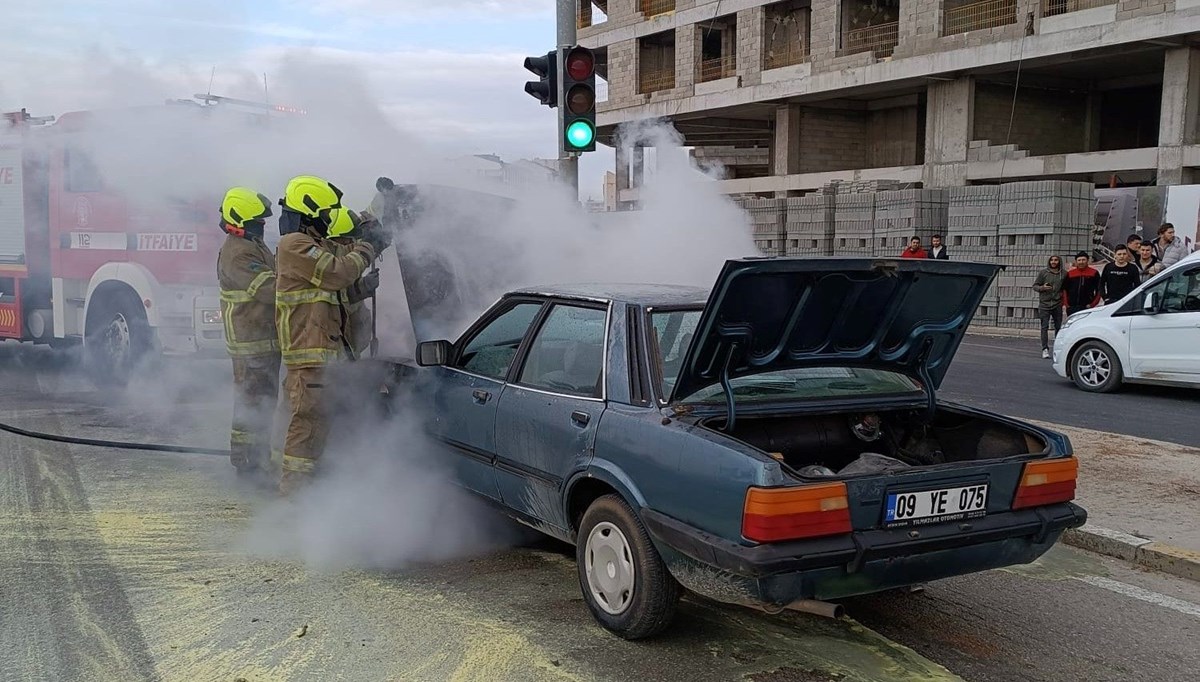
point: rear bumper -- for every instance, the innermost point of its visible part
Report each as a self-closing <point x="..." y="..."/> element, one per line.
<point x="869" y="561"/>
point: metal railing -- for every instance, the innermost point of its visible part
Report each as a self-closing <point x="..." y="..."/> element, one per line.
<point x="881" y="39"/>
<point x="785" y="55"/>
<point x="1051" y="8"/>
<point x="652" y="7"/>
<point x="654" y="81"/>
<point x="716" y="69"/>
<point x="979" y="15"/>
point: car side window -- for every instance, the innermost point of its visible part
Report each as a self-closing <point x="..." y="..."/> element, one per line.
<point x="492" y="349"/>
<point x="567" y="355"/>
<point x="1182" y="293"/>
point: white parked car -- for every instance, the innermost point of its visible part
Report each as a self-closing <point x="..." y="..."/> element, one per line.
<point x="1152" y="336"/>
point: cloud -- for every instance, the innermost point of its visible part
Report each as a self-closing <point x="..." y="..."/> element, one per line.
<point x="407" y="9"/>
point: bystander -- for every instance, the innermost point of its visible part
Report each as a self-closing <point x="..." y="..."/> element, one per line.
<point x="1145" y="258"/>
<point x="1171" y="249"/>
<point x="1119" y="277"/>
<point x="914" y="249"/>
<point x="1082" y="288"/>
<point x="937" y="250"/>
<point x="1049" y="286"/>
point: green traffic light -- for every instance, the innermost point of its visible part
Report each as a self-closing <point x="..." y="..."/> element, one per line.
<point x="580" y="134"/>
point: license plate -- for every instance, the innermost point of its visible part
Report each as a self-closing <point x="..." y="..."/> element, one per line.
<point x="936" y="506"/>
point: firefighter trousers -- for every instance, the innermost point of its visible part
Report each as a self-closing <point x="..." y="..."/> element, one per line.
<point x="256" y="389"/>
<point x="308" y="428"/>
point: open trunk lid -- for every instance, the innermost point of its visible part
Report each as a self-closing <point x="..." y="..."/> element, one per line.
<point x="770" y="314"/>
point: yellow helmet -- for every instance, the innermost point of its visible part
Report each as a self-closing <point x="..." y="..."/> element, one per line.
<point x="241" y="206"/>
<point x="341" y="222"/>
<point x="311" y="196"/>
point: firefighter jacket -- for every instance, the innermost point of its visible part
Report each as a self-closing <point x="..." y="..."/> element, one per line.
<point x="359" y="317"/>
<point x="308" y="309"/>
<point x="246" y="275"/>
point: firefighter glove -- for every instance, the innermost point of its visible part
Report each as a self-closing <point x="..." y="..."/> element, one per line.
<point x="364" y="287"/>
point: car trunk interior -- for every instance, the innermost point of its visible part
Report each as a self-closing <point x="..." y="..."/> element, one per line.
<point x="848" y="444"/>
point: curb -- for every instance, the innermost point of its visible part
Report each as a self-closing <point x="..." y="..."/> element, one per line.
<point x="1158" y="556"/>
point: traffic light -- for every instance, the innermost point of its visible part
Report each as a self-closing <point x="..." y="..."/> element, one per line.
<point x="579" y="100"/>
<point x="546" y="68"/>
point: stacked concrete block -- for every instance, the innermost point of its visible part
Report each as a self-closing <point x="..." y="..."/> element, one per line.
<point x="854" y="225"/>
<point x="902" y="214"/>
<point x="1037" y="220"/>
<point x="767" y="218"/>
<point x="810" y="224"/>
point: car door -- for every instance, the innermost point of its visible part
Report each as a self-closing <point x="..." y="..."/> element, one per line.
<point x="467" y="390"/>
<point x="1166" y="344"/>
<point x="548" y="414"/>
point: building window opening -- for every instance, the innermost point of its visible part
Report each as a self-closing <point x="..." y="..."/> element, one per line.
<point x="870" y="26"/>
<point x="601" y="54"/>
<point x="718" y="49"/>
<point x="787" y="34"/>
<point x="652" y="8"/>
<point x="1053" y="8"/>
<point x="656" y="62"/>
<point x="592" y="12"/>
<point x="963" y="16"/>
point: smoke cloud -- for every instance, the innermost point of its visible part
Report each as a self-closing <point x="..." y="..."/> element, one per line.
<point x="385" y="498"/>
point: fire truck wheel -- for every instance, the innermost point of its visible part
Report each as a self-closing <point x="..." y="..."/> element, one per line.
<point x="117" y="339"/>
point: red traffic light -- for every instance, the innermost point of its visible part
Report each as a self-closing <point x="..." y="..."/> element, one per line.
<point x="580" y="64"/>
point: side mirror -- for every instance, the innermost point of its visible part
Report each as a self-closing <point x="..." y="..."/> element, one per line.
<point x="1151" y="303"/>
<point x="433" y="353"/>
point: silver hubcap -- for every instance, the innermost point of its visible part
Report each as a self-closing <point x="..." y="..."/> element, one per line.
<point x="117" y="339"/>
<point x="1093" y="367"/>
<point x="608" y="564"/>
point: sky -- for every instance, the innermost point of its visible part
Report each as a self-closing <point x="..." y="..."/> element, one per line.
<point x="449" y="71"/>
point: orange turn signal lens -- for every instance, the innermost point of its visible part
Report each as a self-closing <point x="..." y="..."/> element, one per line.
<point x="1047" y="481"/>
<point x="808" y="511"/>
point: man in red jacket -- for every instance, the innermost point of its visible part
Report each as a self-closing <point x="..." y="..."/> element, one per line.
<point x="914" y="249"/>
<point x="1082" y="288"/>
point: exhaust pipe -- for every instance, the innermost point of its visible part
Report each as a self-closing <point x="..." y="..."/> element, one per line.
<point x="818" y="608"/>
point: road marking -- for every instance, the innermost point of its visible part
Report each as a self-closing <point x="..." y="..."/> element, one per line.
<point x="1009" y="349"/>
<point x="1148" y="596"/>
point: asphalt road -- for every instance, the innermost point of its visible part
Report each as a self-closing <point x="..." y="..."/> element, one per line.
<point x="121" y="565"/>
<point x="1008" y="375"/>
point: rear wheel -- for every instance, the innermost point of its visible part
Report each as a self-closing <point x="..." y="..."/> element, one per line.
<point x="625" y="583"/>
<point x="1096" y="368"/>
<point x="117" y="339"/>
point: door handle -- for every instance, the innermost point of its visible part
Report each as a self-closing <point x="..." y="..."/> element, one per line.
<point x="480" y="396"/>
<point x="580" y="418"/>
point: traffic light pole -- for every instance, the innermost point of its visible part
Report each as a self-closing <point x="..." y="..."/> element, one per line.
<point x="568" y="163"/>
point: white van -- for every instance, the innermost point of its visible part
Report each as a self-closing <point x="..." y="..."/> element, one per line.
<point x="1152" y="336"/>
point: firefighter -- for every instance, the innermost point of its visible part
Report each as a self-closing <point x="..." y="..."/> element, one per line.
<point x="345" y="228"/>
<point x="313" y="271"/>
<point x="246" y="275"/>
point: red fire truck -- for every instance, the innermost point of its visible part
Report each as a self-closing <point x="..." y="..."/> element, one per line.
<point x="82" y="263"/>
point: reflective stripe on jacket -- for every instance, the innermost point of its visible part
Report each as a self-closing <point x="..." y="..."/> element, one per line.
<point x="308" y="310"/>
<point x="246" y="275"/>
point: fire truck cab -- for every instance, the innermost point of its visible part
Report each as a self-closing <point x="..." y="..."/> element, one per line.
<point x="82" y="263"/>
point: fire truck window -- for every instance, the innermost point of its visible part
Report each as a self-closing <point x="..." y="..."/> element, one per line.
<point x="82" y="174"/>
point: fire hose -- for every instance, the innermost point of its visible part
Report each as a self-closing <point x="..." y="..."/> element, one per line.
<point x="112" y="444"/>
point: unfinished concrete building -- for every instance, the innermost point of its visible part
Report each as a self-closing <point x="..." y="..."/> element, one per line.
<point x="787" y="96"/>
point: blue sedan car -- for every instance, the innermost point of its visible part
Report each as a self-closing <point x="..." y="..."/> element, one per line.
<point x="775" y="442"/>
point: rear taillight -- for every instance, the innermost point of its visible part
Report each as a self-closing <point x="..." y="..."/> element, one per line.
<point x="1047" y="482"/>
<point x="809" y="511"/>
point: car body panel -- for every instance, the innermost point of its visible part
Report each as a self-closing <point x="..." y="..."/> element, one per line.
<point x="768" y="314"/>
<point x="465" y="425"/>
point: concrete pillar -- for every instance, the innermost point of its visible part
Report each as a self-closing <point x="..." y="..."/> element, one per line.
<point x="949" y="128"/>
<point x="687" y="55"/>
<point x="750" y="23"/>
<point x="826" y="32"/>
<point x="637" y="173"/>
<point x="1177" y="125"/>
<point x="622" y="167"/>
<point x="785" y="149"/>
<point x="920" y="23"/>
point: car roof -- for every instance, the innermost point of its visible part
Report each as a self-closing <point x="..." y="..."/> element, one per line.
<point x="646" y="295"/>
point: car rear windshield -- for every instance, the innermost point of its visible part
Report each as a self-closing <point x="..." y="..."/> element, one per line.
<point x="672" y="333"/>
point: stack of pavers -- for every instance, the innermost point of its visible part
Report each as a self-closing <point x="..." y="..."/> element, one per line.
<point x="854" y="225"/>
<point x="767" y="216"/>
<point x="810" y="223"/>
<point x="972" y="234"/>
<point x="903" y="214"/>
<point x="1037" y="220"/>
